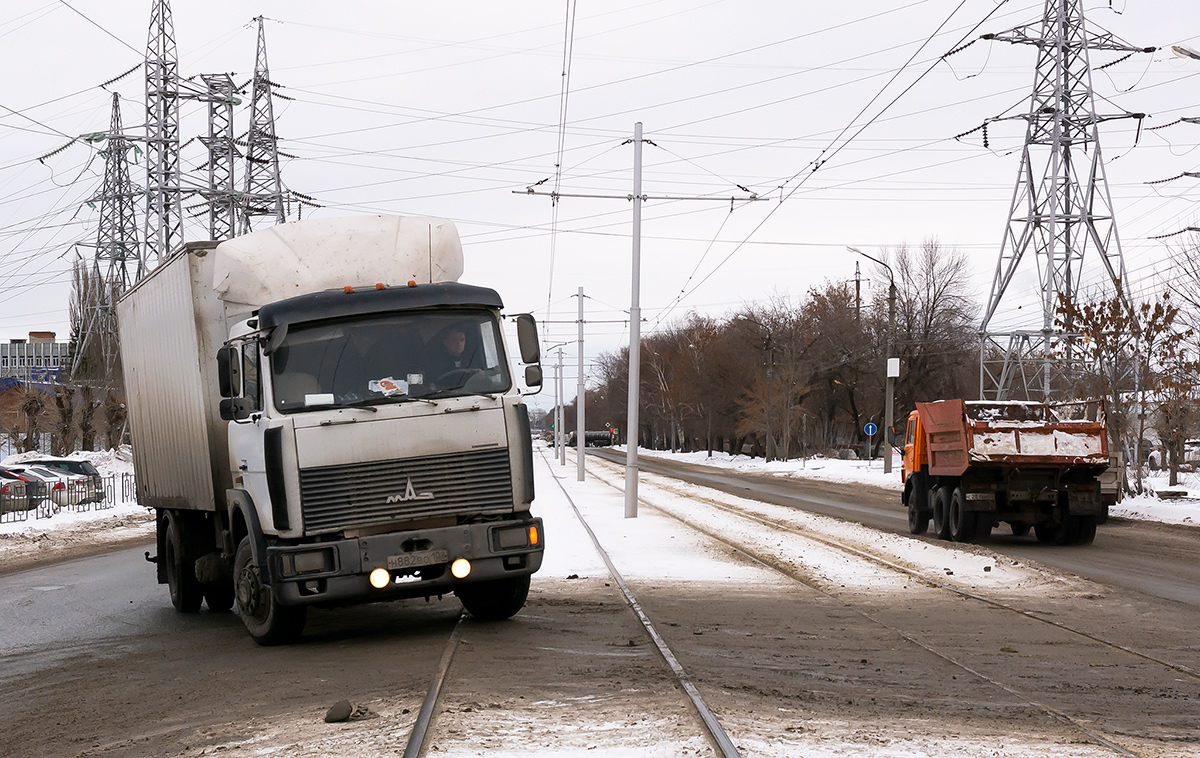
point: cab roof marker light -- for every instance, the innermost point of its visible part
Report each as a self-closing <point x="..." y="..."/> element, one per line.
<point x="380" y="286"/>
<point x="412" y="282"/>
<point x="348" y="289"/>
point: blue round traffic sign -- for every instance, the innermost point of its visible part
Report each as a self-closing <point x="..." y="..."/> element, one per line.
<point x="870" y="430"/>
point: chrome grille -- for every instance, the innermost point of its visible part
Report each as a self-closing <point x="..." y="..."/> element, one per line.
<point x="357" y="494"/>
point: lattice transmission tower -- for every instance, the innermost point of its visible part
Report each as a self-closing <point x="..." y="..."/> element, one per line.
<point x="263" y="194"/>
<point x="1061" y="206"/>
<point x="164" y="193"/>
<point x="116" y="249"/>
<point x="221" y="196"/>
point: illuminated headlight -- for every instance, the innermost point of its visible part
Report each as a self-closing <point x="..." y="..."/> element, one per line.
<point x="460" y="568"/>
<point x="380" y="578"/>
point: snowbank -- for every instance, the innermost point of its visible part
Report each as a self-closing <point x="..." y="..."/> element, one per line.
<point x="1182" y="509"/>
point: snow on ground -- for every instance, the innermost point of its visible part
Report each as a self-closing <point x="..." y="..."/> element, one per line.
<point x="1183" y="509"/>
<point x="69" y="533"/>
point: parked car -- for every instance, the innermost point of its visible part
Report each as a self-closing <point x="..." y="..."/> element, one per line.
<point x="13" y="494"/>
<point x="33" y="487"/>
<point x="56" y="487"/>
<point x="92" y="484"/>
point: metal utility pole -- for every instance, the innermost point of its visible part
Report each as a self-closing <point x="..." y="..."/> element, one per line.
<point x="892" y="370"/>
<point x="222" y="152"/>
<point x="164" y="195"/>
<point x="580" y="434"/>
<point x="635" y="334"/>
<point x="263" y="194"/>
<point x="1061" y="204"/>
<point x="116" y="249"/>
<point x="562" y="414"/>
<point x="635" y="311"/>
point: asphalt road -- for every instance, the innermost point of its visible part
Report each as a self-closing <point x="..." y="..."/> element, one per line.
<point x="1155" y="559"/>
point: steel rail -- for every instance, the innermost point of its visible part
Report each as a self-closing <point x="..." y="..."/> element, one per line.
<point x="420" y="730"/>
<point x="715" y="732"/>
<point x="779" y="567"/>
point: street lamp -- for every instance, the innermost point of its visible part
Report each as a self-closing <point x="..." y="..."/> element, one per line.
<point x="893" y="369"/>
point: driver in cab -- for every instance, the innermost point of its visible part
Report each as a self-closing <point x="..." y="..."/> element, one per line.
<point x="452" y="361"/>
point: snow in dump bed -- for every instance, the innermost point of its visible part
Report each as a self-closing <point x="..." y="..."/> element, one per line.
<point x="1008" y="441"/>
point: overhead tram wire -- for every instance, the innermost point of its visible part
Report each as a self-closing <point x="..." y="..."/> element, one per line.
<point x="816" y="164"/>
<point x="564" y="92"/>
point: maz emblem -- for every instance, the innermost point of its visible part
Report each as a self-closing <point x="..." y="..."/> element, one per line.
<point x="409" y="494"/>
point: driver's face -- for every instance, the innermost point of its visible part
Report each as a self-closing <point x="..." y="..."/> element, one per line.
<point x="455" y="342"/>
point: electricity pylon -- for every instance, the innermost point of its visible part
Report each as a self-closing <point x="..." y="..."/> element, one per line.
<point x="164" y="193"/>
<point x="263" y="195"/>
<point x="1061" y="204"/>
<point x="116" y="248"/>
<point x="221" y="197"/>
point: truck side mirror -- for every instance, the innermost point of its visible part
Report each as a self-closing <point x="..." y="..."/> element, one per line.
<point x="236" y="409"/>
<point x="527" y="338"/>
<point x="533" y="376"/>
<point x="229" y="371"/>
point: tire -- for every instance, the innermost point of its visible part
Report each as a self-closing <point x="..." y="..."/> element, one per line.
<point x="1086" y="533"/>
<point x="495" y="600"/>
<point x="1047" y="531"/>
<point x="186" y="590"/>
<point x="941" y="512"/>
<point x="918" y="519"/>
<point x="268" y="622"/>
<point x="219" y="597"/>
<point x="1019" y="528"/>
<point x="962" y="522"/>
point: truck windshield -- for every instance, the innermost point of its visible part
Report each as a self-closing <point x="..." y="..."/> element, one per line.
<point x="389" y="358"/>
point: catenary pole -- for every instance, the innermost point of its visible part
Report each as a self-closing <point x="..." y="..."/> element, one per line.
<point x="635" y="335"/>
<point x="580" y="434"/>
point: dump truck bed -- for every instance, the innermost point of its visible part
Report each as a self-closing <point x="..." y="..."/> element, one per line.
<point x="961" y="434"/>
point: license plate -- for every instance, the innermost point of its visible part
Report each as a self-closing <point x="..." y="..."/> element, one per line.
<point x="420" y="558"/>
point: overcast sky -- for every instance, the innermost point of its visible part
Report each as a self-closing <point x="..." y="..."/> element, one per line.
<point x="446" y="109"/>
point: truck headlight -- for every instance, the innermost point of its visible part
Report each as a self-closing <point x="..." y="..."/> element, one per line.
<point x="380" y="578"/>
<point x="461" y="568"/>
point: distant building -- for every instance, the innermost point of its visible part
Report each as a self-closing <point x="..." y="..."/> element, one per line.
<point x="38" y="359"/>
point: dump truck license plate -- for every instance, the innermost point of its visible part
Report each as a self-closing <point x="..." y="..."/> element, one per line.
<point x="422" y="558"/>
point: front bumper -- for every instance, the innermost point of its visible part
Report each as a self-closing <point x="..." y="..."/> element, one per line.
<point x="341" y="577"/>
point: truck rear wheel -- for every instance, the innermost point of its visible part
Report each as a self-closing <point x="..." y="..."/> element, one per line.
<point x="918" y="518"/>
<point x="1087" y="530"/>
<point x="186" y="590"/>
<point x="495" y="600"/>
<point x="963" y="523"/>
<point x="941" y="512"/>
<point x="268" y="622"/>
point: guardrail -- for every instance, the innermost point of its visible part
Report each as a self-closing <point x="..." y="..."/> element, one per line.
<point x="29" y="501"/>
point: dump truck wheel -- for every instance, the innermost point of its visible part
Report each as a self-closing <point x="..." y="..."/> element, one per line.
<point x="268" y="622"/>
<point x="1047" y="531"/>
<point x="186" y="591"/>
<point x="1086" y="533"/>
<point x="962" y="521"/>
<point x="918" y="518"/>
<point x="941" y="513"/>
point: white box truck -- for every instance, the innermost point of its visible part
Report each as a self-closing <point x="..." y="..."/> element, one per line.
<point x="322" y="415"/>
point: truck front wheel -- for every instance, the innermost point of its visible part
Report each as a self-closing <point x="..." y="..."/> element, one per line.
<point x="495" y="600"/>
<point x="918" y="518"/>
<point x="186" y="590"/>
<point x="268" y="622"/>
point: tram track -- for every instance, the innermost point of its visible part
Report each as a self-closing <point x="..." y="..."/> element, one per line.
<point x="773" y="562"/>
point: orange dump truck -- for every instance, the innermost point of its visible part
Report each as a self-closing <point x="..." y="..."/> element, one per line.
<point x="969" y="465"/>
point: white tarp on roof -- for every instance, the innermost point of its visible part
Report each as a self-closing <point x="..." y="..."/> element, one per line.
<point x="319" y="254"/>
